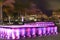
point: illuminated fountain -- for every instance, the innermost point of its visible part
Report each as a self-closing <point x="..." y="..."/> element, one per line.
<point x="27" y="30"/>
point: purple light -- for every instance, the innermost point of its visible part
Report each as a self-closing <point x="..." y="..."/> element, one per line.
<point x="55" y="30"/>
<point x="22" y="31"/>
<point x="52" y="30"/>
<point x="28" y="32"/>
<point x="43" y="28"/>
<point x="44" y="31"/>
<point x="13" y="36"/>
<point x="9" y="32"/>
<point x="33" y="31"/>
<point x="17" y="33"/>
<point x="48" y="30"/>
<point x="40" y="31"/>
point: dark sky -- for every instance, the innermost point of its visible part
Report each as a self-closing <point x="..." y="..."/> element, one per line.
<point x="48" y="5"/>
<point x="43" y="5"/>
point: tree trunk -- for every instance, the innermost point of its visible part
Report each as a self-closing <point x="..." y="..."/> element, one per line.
<point x="9" y="19"/>
<point x="1" y="21"/>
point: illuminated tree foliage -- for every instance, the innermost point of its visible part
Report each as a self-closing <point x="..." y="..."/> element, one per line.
<point x="8" y="6"/>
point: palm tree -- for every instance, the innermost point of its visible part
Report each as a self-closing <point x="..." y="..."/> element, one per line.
<point x="8" y="7"/>
<point x="1" y="11"/>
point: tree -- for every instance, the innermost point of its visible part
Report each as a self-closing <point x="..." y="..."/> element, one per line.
<point x="8" y="7"/>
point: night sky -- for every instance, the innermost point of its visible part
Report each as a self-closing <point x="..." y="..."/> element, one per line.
<point x="48" y="5"/>
<point x="44" y="5"/>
